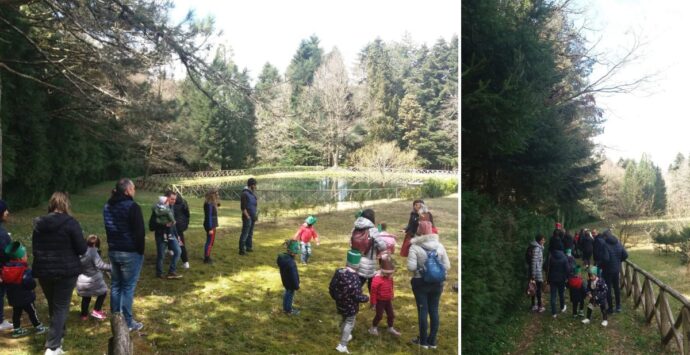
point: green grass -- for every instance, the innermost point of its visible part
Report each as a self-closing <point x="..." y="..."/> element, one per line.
<point x="234" y="305"/>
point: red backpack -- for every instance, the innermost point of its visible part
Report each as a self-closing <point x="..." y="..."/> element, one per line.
<point x="360" y="240"/>
<point x="575" y="282"/>
<point x="13" y="272"/>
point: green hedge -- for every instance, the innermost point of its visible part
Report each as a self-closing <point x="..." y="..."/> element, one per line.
<point x="493" y="270"/>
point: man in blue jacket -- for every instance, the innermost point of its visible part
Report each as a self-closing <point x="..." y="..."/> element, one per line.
<point x="612" y="269"/>
<point x="248" y="205"/>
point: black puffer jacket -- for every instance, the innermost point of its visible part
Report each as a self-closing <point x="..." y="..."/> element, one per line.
<point x="586" y="244"/>
<point x="181" y="211"/>
<point x="601" y="252"/>
<point x="558" y="267"/>
<point x="57" y="243"/>
<point x="617" y="255"/>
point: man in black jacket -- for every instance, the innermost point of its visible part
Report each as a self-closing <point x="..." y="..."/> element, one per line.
<point x="124" y="228"/>
<point x="612" y="269"/>
<point x="165" y="241"/>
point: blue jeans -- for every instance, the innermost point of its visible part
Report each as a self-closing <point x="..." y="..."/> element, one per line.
<point x="126" y="267"/>
<point x="560" y="288"/>
<point x="306" y="251"/>
<point x="427" y="297"/>
<point x="287" y="300"/>
<point x="247" y="234"/>
<point x="161" y="247"/>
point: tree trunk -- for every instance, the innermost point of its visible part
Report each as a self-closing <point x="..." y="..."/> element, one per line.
<point x="335" y="157"/>
<point x="120" y="343"/>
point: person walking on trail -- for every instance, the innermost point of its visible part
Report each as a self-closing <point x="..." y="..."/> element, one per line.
<point x="57" y="242"/>
<point x="125" y="231"/>
<point x="248" y="205"/>
<point x="612" y="269"/>
<point x="211" y="204"/>
<point x="600" y="251"/>
<point x="5" y="240"/>
<point x="586" y="243"/>
<point x="162" y="223"/>
<point x="536" y="271"/>
<point x="181" y="213"/>
<point x="557" y="276"/>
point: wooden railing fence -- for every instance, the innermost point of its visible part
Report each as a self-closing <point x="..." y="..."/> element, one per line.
<point x="641" y="285"/>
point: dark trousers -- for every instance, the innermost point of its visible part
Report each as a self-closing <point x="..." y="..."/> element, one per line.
<point x="246" y="235"/>
<point x="2" y="302"/>
<point x="586" y="258"/>
<point x="382" y="306"/>
<point x="364" y="280"/>
<point x="540" y="284"/>
<point x="183" y="247"/>
<point x="86" y="301"/>
<point x="58" y="293"/>
<point x="427" y="297"/>
<point x="604" y="316"/>
<point x="560" y="288"/>
<point x="613" y="282"/>
<point x="30" y="309"/>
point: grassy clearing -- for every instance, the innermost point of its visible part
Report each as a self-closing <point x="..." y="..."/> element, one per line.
<point x="234" y="306"/>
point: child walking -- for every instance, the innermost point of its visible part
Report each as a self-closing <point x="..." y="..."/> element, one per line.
<point x="382" y="296"/>
<point x="597" y="293"/>
<point x="346" y="289"/>
<point x="578" y="291"/>
<point x="304" y="235"/>
<point x="211" y="205"/>
<point x="289" y="275"/>
<point x="90" y="282"/>
<point x="19" y="284"/>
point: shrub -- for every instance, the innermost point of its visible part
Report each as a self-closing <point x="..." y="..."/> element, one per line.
<point x="438" y="188"/>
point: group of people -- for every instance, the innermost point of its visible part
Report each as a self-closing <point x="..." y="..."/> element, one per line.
<point x="601" y="255"/>
<point x="370" y="261"/>
<point x="63" y="259"/>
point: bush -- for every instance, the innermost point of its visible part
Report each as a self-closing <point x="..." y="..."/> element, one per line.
<point x="437" y="188"/>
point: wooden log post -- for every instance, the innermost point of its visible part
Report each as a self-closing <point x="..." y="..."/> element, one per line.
<point x="120" y="343"/>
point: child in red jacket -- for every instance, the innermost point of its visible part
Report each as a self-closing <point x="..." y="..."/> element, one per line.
<point x="304" y="235"/>
<point x="381" y="295"/>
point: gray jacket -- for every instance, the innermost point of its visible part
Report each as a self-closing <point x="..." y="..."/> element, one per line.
<point x="367" y="265"/>
<point x="537" y="264"/>
<point x="418" y="249"/>
<point x="90" y="282"/>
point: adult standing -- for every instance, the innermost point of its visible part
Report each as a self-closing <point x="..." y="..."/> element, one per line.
<point x="558" y="274"/>
<point x="248" y="205"/>
<point x="4" y="241"/>
<point x="427" y="295"/>
<point x="536" y="269"/>
<point x="164" y="240"/>
<point x="599" y="251"/>
<point x="211" y="205"/>
<point x="612" y="269"/>
<point x="587" y="247"/>
<point x="568" y="241"/>
<point x="57" y="242"/>
<point x="365" y="238"/>
<point x="181" y="213"/>
<point x="418" y="209"/>
<point x="124" y="228"/>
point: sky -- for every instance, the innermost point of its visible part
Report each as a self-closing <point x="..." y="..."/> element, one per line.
<point x="654" y="118"/>
<point x="271" y="30"/>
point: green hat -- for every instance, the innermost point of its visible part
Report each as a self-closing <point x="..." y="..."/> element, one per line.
<point x="577" y="269"/>
<point x="310" y="220"/>
<point x="15" y="250"/>
<point x="568" y="252"/>
<point x="593" y="270"/>
<point x="353" y="258"/>
<point x="293" y="247"/>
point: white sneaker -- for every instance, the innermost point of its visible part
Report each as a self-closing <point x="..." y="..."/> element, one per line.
<point x="5" y="325"/>
<point x="57" y="351"/>
<point x="185" y="265"/>
<point x="342" y="349"/>
<point x="604" y="323"/>
<point x="585" y="321"/>
<point x="349" y="337"/>
<point x="555" y="316"/>
<point x="564" y="308"/>
<point x="373" y="331"/>
<point x="535" y="308"/>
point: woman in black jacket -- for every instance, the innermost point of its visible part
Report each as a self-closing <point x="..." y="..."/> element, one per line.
<point x="57" y="243"/>
<point x="586" y="244"/>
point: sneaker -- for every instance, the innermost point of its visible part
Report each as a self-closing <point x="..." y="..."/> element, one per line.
<point x="208" y="260"/>
<point x="374" y="331"/>
<point x="542" y="309"/>
<point x="98" y="314"/>
<point x="293" y="312"/>
<point x="415" y="341"/>
<point x="171" y="253"/>
<point x="19" y="332"/>
<point x="83" y="317"/>
<point x="5" y="325"/>
<point x="564" y="309"/>
<point x="342" y="348"/>
<point x="393" y="331"/>
<point x="555" y="316"/>
<point x="432" y="346"/>
<point x="136" y="326"/>
<point x="186" y="265"/>
<point x="172" y="275"/>
<point x="585" y="321"/>
<point x="57" y="351"/>
<point x="535" y="308"/>
<point x="604" y="323"/>
<point x="618" y="309"/>
<point x="243" y="253"/>
<point x="40" y="329"/>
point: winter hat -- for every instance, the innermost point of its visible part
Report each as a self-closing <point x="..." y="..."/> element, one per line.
<point x="559" y="226"/>
<point x="577" y="269"/>
<point x="293" y="247"/>
<point x="568" y="252"/>
<point x="387" y="266"/>
<point x="3" y="207"/>
<point x="424" y="228"/>
<point x="310" y="220"/>
<point x="593" y="270"/>
<point x="15" y="250"/>
<point x="353" y="258"/>
<point x="162" y="200"/>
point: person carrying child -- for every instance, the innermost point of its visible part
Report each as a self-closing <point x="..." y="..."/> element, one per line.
<point x="90" y="282"/>
<point x="19" y="284"/>
<point x="346" y="289"/>
<point x="165" y="216"/>
<point x="289" y="275"/>
<point x="382" y="295"/>
<point x="577" y="289"/>
<point x="597" y="293"/>
<point x="304" y="236"/>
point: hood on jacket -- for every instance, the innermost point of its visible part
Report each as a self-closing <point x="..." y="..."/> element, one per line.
<point x="611" y="239"/>
<point x="534" y="243"/>
<point x="50" y="222"/>
<point x="284" y="258"/>
<point x="362" y="223"/>
<point x="428" y="241"/>
<point x="117" y="198"/>
<point x="558" y="255"/>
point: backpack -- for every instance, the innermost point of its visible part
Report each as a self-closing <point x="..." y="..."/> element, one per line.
<point x="575" y="282"/>
<point x="361" y="240"/>
<point x="433" y="271"/>
<point x="12" y="273"/>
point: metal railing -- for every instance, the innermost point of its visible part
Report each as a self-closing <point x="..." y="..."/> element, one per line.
<point x="641" y="285"/>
